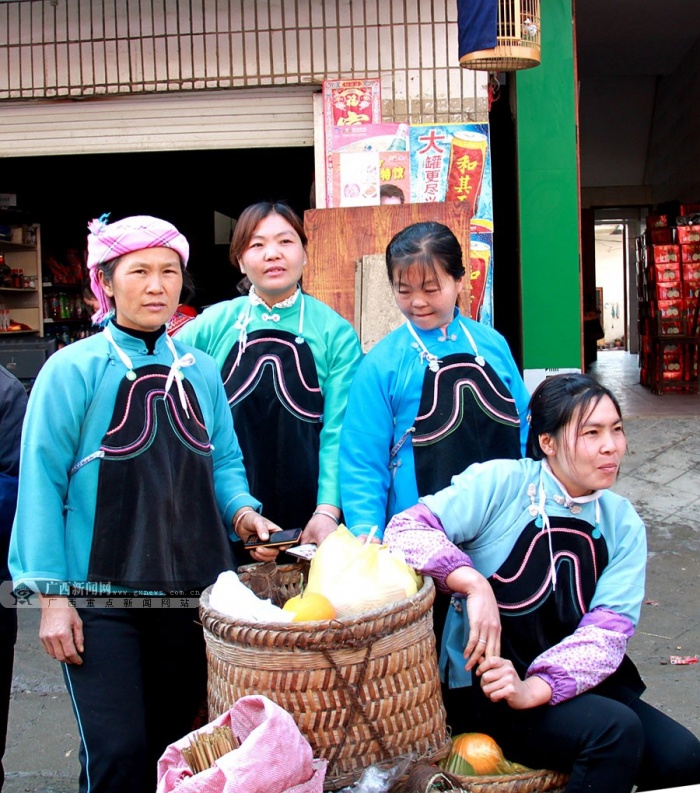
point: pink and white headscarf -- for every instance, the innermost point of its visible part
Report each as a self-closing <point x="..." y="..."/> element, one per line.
<point x="108" y="241"/>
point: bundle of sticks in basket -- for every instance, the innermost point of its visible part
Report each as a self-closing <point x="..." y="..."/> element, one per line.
<point x="206" y="747"/>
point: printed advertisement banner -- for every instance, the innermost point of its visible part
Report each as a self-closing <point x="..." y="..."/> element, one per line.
<point x="369" y="162"/>
<point x="367" y="158"/>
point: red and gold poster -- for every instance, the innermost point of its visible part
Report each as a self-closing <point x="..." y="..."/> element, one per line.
<point x="347" y="104"/>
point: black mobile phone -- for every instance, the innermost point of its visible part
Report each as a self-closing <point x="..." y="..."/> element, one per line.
<point x="284" y="537"/>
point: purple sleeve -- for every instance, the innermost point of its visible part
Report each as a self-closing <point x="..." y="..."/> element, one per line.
<point x="419" y="534"/>
<point x="587" y="657"/>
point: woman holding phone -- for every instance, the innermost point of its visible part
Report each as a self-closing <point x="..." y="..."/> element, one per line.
<point x="131" y="485"/>
<point x="287" y="361"/>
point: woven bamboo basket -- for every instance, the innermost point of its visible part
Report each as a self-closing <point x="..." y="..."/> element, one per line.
<point x="361" y="690"/>
<point x="425" y="778"/>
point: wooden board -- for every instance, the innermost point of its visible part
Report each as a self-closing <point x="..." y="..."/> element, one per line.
<point x="339" y="238"/>
<point x="376" y="312"/>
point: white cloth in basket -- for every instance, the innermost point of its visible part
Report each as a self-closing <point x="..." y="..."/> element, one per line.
<point x="233" y="598"/>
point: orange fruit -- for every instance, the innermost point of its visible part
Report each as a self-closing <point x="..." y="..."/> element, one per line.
<point x="310" y="606"/>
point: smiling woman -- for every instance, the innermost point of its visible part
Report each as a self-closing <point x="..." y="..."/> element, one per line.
<point x="287" y="361"/>
<point x="546" y="568"/>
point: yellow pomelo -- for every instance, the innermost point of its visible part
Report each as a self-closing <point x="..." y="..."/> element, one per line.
<point x="310" y="606"/>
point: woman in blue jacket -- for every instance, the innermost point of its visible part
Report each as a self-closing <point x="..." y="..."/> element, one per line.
<point x="131" y="484"/>
<point x="438" y="393"/>
<point x="545" y="566"/>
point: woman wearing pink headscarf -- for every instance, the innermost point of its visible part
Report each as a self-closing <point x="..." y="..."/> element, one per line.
<point x="131" y="484"/>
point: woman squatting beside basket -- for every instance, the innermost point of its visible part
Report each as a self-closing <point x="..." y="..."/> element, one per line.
<point x="131" y="481"/>
<point x="546" y="568"/>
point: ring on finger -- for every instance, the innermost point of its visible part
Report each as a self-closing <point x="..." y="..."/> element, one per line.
<point x="482" y="641"/>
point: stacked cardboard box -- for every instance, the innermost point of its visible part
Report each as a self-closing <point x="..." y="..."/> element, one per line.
<point x="668" y="283"/>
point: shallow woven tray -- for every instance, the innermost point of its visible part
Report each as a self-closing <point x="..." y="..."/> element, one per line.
<point x="361" y="689"/>
<point x="426" y="778"/>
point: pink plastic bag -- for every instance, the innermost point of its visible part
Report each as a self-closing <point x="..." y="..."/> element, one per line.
<point x="274" y="757"/>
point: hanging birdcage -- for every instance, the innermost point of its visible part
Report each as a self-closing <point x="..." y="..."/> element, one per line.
<point x="518" y="37"/>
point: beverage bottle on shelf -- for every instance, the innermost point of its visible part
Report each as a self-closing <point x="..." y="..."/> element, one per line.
<point x="400" y="141"/>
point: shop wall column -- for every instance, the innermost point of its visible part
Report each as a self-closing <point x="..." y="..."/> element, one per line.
<point x="547" y="147"/>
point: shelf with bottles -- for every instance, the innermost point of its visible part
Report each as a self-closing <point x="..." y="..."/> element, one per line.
<point x="66" y="331"/>
<point x="20" y="280"/>
<point x="63" y="304"/>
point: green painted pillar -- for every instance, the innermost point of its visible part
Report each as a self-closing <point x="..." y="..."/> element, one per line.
<point x="546" y="113"/>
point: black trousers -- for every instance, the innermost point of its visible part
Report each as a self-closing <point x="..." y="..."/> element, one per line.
<point x="140" y="687"/>
<point x="8" y="637"/>
<point x="605" y="745"/>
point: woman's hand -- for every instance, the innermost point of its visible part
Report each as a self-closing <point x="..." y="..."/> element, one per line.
<point x="484" y="618"/>
<point x="61" y="629"/>
<point x="248" y="523"/>
<point x="323" y="522"/>
<point x="500" y="681"/>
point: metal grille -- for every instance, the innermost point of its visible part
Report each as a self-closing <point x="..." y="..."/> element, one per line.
<point x="87" y="48"/>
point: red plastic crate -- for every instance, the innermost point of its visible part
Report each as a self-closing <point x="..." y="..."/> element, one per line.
<point x="669" y="290"/>
<point x="671" y="349"/>
<point x="671" y="327"/>
<point x="661" y="236"/>
<point x="691" y="272"/>
<point x="667" y="272"/>
<point x="691" y="252"/>
<point x="688" y="234"/>
<point x="664" y="254"/>
<point x="671" y="309"/>
<point x="656" y="221"/>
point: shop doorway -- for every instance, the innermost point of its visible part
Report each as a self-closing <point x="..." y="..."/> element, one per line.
<point x="192" y="189"/>
<point x="616" y="300"/>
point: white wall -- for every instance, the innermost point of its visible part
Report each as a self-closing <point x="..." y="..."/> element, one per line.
<point x="609" y="275"/>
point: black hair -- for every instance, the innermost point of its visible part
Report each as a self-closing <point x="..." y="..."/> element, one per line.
<point x="427" y="244"/>
<point x="391" y="191"/>
<point x="252" y="216"/>
<point x="556" y="400"/>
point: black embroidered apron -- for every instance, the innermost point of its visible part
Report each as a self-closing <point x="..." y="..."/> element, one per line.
<point x="466" y="415"/>
<point x="157" y="524"/>
<point x="534" y="615"/>
<point x="277" y="409"/>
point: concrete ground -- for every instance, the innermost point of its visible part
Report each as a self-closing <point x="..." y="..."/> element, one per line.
<point x="661" y="476"/>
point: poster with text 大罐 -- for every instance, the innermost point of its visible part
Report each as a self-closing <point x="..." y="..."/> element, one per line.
<point x="452" y="162"/>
